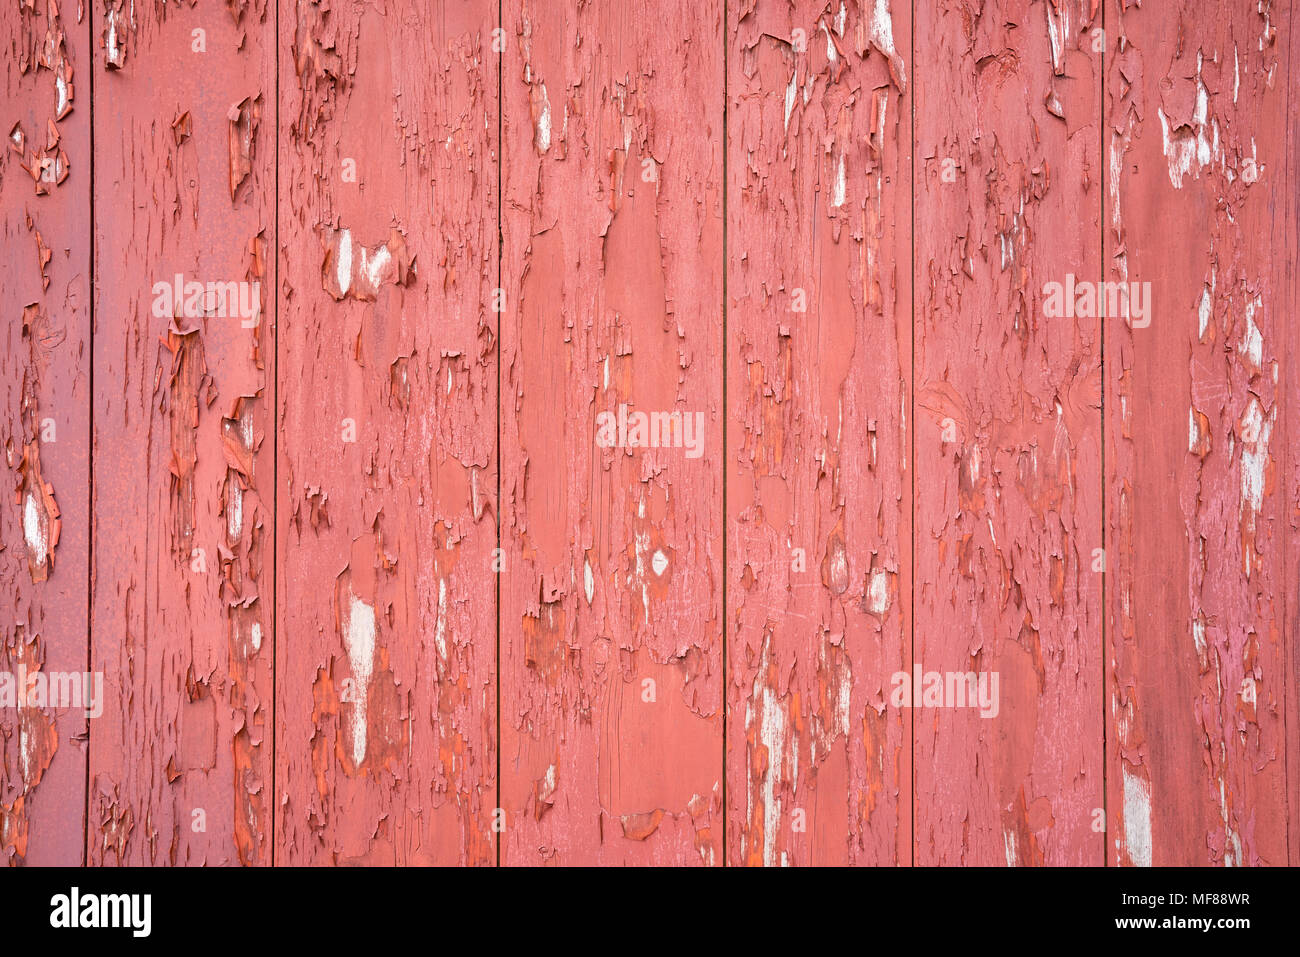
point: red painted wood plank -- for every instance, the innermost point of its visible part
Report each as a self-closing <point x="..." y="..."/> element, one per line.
<point x="44" y="432"/>
<point x="1007" y="435"/>
<point x="385" y="684"/>
<point x="180" y="762"/>
<point x="611" y="657"/>
<point x="819" y="389"/>
<point x="1201" y="431"/>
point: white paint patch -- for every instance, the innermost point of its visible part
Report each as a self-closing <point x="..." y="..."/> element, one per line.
<point x="790" y="92"/>
<point x="658" y="561"/>
<point x="840" y="186"/>
<point x="588" y="581"/>
<point x="344" y="265"/>
<point x="1232" y="844"/>
<point x="878" y="592"/>
<point x="1116" y="171"/>
<point x="881" y="29"/>
<point x="1137" y="819"/>
<point x="235" y="512"/>
<point x="24" y="751"/>
<point x="1251" y="346"/>
<point x="255" y="635"/>
<point x="839" y="568"/>
<point x="1205" y="310"/>
<point x="1198" y="637"/>
<point x="772" y="733"/>
<point x="359" y="640"/>
<point x="1188" y="151"/>
<point x="543" y="133"/>
<point x="440" y="629"/>
<point x="843" y="700"/>
<point x="1254" y="457"/>
<point x="34" y="530"/>
<point x="112" y="35"/>
<point x="374" y="264"/>
<point x="642" y="546"/>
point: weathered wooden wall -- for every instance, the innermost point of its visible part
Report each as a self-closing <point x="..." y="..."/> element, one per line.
<point x="370" y="578"/>
<point x="1008" y="432"/>
<point x="819" y="380"/>
<point x="611" y="591"/>
<point x="45" y="402"/>
<point x="183" y="498"/>
<point x="385" y="661"/>
<point x="1203" y="581"/>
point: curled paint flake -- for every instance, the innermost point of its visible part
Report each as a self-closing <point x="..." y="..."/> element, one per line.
<point x="638" y="827"/>
<point x="1190" y="136"/>
<point x="182" y="127"/>
<point x="244" y="117"/>
<point x="42" y="259"/>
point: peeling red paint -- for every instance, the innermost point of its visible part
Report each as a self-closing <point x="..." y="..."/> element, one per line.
<point x="44" y="412"/>
<point x="819" y="350"/>
<point x="184" y="497"/>
<point x="1201" y="472"/>
<point x="612" y="225"/>
<point x="1008" y="433"/>
<point x="386" y="737"/>
<point x="787" y="413"/>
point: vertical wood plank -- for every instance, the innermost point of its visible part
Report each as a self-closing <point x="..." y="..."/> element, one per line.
<point x="183" y="494"/>
<point x="385" y="679"/>
<point x="1201" y="432"/>
<point x="611" y="652"/>
<point x="1007" y="433"/>
<point x="44" y="432"/>
<point x="819" y="388"/>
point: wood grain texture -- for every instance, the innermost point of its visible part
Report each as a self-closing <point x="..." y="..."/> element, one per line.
<point x="819" y="388"/>
<point x="612" y="268"/>
<point x="1200" y="426"/>
<point x="180" y="761"/>
<point x="639" y="401"/>
<point x="386" y="694"/>
<point x="44" y="426"/>
<point x="1008" y="432"/>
